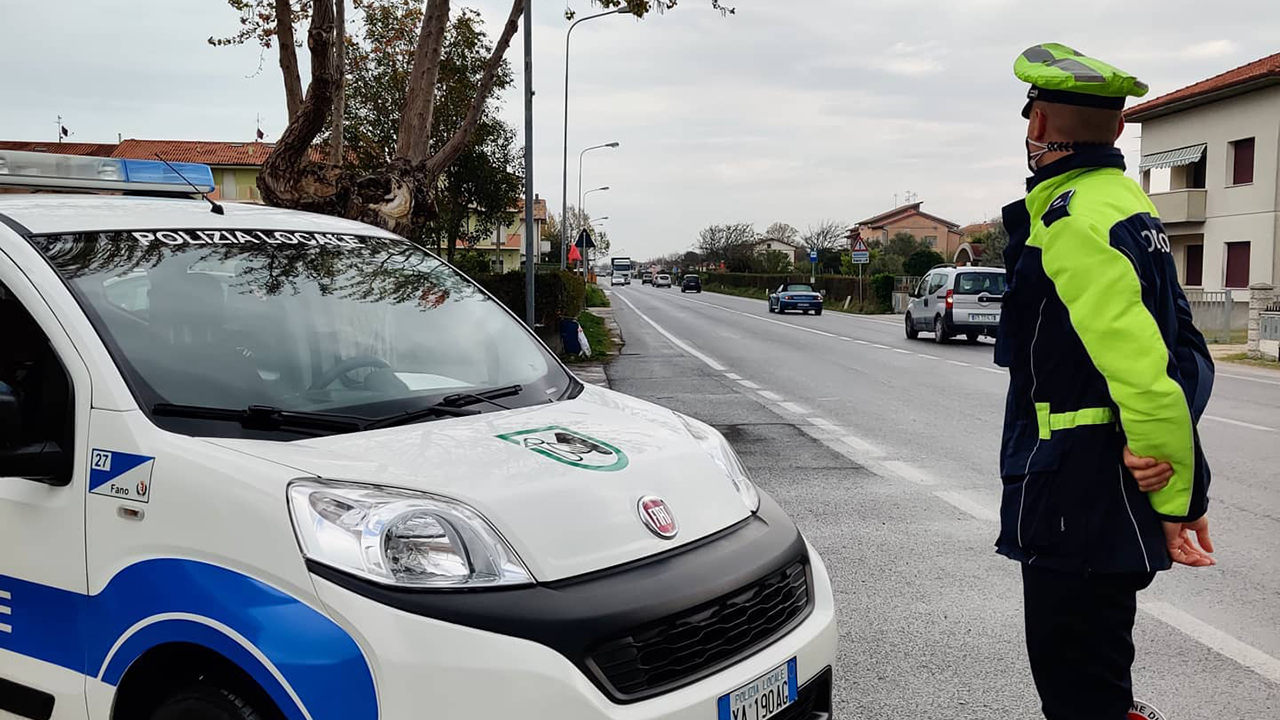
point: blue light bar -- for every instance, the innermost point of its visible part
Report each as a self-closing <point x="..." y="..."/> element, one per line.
<point x="74" y="172"/>
<point x="157" y="173"/>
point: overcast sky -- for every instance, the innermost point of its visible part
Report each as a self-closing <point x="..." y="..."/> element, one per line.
<point x="789" y="110"/>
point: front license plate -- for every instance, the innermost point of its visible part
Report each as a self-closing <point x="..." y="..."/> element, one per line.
<point x="762" y="698"/>
<point x="975" y="317"/>
<point x="802" y="304"/>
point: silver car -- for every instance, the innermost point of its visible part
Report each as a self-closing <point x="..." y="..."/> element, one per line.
<point x="952" y="301"/>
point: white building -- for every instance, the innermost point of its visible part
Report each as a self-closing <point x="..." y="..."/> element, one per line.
<point x="1211" y="164"/>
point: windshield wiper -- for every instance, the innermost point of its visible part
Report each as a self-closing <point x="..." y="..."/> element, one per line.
<point x="264" y="417"/>
<point x="412" y="416"/>
<point x="460" y="400"/>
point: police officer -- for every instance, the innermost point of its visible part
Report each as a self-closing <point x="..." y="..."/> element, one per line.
<point x="1104" y="479"/>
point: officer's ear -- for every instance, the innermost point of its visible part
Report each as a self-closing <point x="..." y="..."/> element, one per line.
<point x="1038" y="123"/>
<point x="1119" y="129"/>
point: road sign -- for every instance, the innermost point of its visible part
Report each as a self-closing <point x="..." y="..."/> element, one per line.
<point x="861" y="254"/>
<point x="584" y="239"/>
<point x="813" y="255"/>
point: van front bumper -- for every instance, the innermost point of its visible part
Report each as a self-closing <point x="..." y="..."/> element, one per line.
<point x="470" y="665"/>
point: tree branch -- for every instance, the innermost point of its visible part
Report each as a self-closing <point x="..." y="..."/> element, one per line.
<point x="288" y="57"/>
<point x="282" y="182"/>
<point x="340" y="74"/>
<point x="458" y="142"/>
<point x="413" y="141"/>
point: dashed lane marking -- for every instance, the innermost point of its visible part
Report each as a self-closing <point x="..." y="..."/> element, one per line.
<point x="793" y="408"/>
<point x="733" y="376"/>
<point x="748" y="384"/>
<point x="928" y="357"/>
<point x="972" y="507"/>
<point x="908" y="472"/>
<point x="1246" y="377"/>
<point x="961" y="364"/>
<point x="770" y="396"/>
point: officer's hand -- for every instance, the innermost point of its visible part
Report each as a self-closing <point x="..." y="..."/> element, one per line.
<point x="1151" y="474"/>
<point x="1185" y="550"/>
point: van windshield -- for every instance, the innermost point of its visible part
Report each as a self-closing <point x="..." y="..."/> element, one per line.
<point x="302" y="322"/>
<point x="976" y="283"/>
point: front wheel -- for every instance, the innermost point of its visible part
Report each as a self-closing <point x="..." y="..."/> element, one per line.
<point x="818" y="311"/>
<point x="205" y="702"/>
<point x="912" y="332"/>
<point x="971" y="337"/>
<point x="940" y="331"/>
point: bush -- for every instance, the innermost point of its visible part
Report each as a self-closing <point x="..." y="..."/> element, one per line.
<point x="596" y="297"/>
<point x="922" y="261"/>
<point x="559" y="294"/>
<point x="836" y="288"/>
<point x="882" y="288"/>
<point x="473" y="264"/>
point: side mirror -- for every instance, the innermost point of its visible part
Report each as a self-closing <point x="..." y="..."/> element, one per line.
<point x="42" y="461"/>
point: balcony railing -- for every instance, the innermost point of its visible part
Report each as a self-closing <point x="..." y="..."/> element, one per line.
<point x="1178" y="206"/>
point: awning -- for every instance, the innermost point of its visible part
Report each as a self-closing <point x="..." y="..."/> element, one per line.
<point x="1173" y="158"/>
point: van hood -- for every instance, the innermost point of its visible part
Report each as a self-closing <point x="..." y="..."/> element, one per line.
<point x="562" y="481"/>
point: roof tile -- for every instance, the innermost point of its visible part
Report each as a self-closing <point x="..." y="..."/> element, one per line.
<point x="1264" y="69"/>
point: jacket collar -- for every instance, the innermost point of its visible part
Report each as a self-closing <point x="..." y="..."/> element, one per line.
<point x="1089" y="157"/>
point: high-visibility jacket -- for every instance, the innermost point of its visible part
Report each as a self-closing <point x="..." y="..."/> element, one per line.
<point x="1098" y="338"/>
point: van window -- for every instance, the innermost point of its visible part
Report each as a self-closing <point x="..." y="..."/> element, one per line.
<point x="936" y="284"/>
<point x="36" y="412"/>
<point x="976" y="283"/>
<point x="358" y="326"/>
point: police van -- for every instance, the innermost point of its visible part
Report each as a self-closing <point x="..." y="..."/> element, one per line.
<point x="260" y="464"/>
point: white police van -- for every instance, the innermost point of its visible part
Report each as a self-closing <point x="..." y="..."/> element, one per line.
<point x="262" y="464"/>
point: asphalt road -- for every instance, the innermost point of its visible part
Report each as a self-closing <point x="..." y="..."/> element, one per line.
<point x="885" y="452"/>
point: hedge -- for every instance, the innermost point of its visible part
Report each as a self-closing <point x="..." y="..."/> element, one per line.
<point x="556" y="294"/>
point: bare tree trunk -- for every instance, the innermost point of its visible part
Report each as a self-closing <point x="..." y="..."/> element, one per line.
<point x="288" y="57"/>
<point x="413" y="141"/>
<point x="287" y="179"/>
<point x="458" y="142"/>
<point x="340" y="78"/>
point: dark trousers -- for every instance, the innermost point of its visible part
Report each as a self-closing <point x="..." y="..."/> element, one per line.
<point x="1080" y="640"/>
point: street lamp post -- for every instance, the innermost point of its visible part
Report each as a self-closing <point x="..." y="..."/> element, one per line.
<point x="586" y="251"/>
<point x="565" y="214"/>
<point x="564" y="182"/>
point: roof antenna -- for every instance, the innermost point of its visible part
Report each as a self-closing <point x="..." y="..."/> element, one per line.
<point x="214" y="207"/>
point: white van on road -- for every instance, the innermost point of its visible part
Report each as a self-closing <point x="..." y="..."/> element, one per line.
<point x="951" y="301"/>
<point x="266" y="464"/>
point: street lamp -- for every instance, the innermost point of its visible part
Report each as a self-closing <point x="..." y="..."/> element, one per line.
<point x="586" y="252"/>
<point x="565" y="213"/>
<point x="564" y="182"/>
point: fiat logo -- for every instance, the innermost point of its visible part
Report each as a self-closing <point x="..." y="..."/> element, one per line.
<point x="657" y="516"/>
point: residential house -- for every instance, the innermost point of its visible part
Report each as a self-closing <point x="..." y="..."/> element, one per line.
<point x="969" y="252"/>
<point x="506" y="245"/>
<point x="941" y="235"/>
<point x="795" y="252"/>
<point x="1210" y="161"/>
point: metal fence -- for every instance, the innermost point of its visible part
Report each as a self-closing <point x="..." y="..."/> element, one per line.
<point x="1217" y="313"/>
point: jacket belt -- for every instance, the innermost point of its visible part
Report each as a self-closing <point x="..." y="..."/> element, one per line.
<point x="1050" y="421"/>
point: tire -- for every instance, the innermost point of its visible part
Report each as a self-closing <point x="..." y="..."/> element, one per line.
<point x="940" y="335"/>
<point x="912" y="332"/>
<point x="205" y="702"/>
<point x="771" y="307"/>
<point x="971" y="337"/>
<point x="818" y="311"/>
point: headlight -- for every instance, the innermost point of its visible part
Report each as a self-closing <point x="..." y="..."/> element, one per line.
<point x="719" y="449"/>
<point x="398" y="537"/>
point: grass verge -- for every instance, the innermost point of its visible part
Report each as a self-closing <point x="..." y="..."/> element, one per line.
<point x="1244" y="359"/>
<point x="596" y="296"/>
<point x="597" y="336"/>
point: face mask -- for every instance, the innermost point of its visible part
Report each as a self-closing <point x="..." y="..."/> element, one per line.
<point x="1033" y="156"/>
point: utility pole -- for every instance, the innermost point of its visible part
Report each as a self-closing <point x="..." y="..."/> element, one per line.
<point x="530" y="243"/>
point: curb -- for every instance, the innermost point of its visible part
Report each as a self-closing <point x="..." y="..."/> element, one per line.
<point x="593" y="372"/>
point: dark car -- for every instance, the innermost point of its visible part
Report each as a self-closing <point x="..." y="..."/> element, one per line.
<point x="795" y="296"/>
<point x="691" y="283"/>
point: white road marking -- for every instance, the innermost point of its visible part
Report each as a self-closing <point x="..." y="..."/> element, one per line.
<point x="1239" y="423"/>
<point x="793" y="408"/>
<point x="748" y="384"/>
<point x="992" y="370"/>
<point x="961" y="364"/>
<point x="823" y="423"/>
<point x="904" y="352"/>
<point x="972" y="507"/>
<point x="1216" y="640"/>
<point x="909" y="473"/>
<point x="733" y="376"/>
<point x="769" y="320"/>
<point x="861" y="445"/>
<point x="770" y="396"/>
<point x="710" y="362"/>
<point x="882" y="347"/>
<point x="1246" y="377"/>
<point x="861" y="342"/>
<point x="929" y="357"/>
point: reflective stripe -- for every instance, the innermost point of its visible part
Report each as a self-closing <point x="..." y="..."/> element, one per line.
<point x="1050" y="421"/>
<point x="1078" y="70"/>
<point x="1037" y="54"/>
